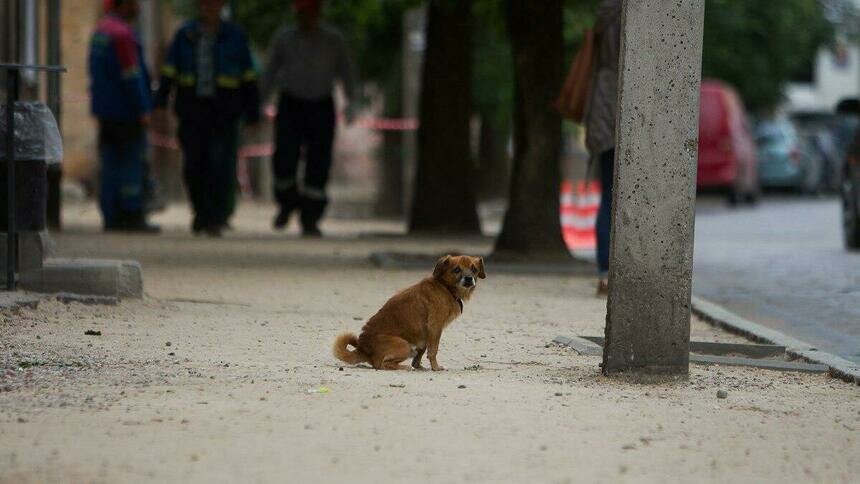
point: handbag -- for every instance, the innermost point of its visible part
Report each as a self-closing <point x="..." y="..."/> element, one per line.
<point x="573" y="99"/>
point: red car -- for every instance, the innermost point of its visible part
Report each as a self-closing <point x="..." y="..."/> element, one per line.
<point x="727" y="154"/>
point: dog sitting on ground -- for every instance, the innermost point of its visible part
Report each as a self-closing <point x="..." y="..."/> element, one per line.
<point x="412" y="321"/>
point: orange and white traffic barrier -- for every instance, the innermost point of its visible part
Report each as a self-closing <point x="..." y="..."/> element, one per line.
<point x="579" y="204"/>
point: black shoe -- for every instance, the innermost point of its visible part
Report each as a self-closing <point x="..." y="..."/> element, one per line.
<point x="132" y="223"/>
<point x="214" y="231"/>
<point x="311" y="232"/>
<point x="196" y="226"/>
<point x="311" y="212"/>
<point x="141" y="227"/>
<point x="282" y="219"/>
<point x="288" y="201"/>
<point x="113" y="227"/>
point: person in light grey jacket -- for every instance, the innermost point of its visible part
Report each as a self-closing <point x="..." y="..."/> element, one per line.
<point x="600" y="123"/>
<point x="304" y="63"/>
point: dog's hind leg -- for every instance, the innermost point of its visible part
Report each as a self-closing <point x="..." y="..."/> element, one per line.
<point x="389" y="352"/>
<point x="416" y="361"/>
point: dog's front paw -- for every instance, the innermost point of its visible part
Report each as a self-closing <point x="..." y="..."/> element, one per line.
<point x="438" y="368"/>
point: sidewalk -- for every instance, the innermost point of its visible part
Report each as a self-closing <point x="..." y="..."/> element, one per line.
<point x="207" y="380"/>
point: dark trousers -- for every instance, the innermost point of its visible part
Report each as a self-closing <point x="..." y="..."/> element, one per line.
<point x="308" y="124"/>
<point x="209" y="149"/>
<point x="604" y="214"/>
<point x="121" y="152"/>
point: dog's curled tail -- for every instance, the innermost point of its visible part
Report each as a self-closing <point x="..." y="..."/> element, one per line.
<point x="343" y="353"/>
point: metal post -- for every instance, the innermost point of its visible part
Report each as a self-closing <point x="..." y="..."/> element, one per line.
<point x="654" y="190"/>
<point x="55" y="92"/>
<point x="54" y="57"/>
<point x="11" y="236"/>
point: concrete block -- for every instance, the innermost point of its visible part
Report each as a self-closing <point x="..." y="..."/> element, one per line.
<point x="755" y="363"/>
<point x="95" y="277"/>
<point x="723" y="349"/>
<point x="586" y="345"/>
<point x="580" y="345"/>
<point x="87" y="300"/>
<point x="651" y="251"/>
<point x="33" y="249"/>
<point x="17" y="300"/>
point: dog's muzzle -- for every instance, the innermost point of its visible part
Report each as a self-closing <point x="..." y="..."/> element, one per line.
<point x="468" y="282"/>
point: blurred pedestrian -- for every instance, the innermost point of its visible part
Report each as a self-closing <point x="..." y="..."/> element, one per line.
<point x="121" y="101"/>
<point x="600" y="123"/>
<point x="211" y="69"/>
<point x="304" y="63"/>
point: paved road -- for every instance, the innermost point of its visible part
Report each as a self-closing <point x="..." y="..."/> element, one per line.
<point x="782" y="264"/>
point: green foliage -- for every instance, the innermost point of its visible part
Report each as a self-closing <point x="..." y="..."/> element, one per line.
<point x="759" y="46"/>
<point x="372" y="27"/>
<point x="493" y="70"/>
<point x="374" y="31"/>
<point x="579" y="16"/>
<point x="755" y="45"/>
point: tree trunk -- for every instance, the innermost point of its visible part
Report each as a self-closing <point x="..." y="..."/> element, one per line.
<point x="494" y="164"/>
<point x="532" y="230"/>
<point x="389" y="199"/>
<point x="444" y="199"/>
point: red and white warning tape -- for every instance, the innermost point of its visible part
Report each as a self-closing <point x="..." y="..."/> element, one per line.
<point x="579" y="205"/>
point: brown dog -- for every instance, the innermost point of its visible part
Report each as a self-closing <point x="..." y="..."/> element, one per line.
<point x="413" y="320"/>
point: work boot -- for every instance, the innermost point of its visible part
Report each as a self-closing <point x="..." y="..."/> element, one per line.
<point x="214" y="231"/>
<point x="288" y="202"/>
<point x="136" y="223"/>
<point x="312" y="212"/>
<point x="197" y="225"/>
<point x="113" y="226"/>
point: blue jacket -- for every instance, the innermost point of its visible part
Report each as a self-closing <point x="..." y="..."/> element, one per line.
<point x="236" y="92"/>
<point x="119" y="79"/>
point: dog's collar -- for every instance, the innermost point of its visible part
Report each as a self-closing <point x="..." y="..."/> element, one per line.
<point x="459" y="301"/>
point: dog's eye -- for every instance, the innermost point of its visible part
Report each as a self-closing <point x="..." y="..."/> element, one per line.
<point x="458" y="270"/>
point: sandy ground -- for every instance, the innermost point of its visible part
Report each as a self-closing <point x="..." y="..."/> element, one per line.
<point x="208" y="378"/>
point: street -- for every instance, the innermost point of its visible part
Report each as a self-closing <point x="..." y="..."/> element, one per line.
<point x="782" y="264"/>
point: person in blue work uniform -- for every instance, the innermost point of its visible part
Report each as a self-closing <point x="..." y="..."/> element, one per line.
<point x="210" y="69"/>
<point x="121" y="101"/>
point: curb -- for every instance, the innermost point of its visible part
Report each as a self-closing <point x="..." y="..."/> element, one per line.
<point x="720" y="317"/>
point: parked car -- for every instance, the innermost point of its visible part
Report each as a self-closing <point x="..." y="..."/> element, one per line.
<point x="831" y="135"/>
<point x="850" y="191"/>
<point x="727" y="156"/>
<point x="786" y="158"/>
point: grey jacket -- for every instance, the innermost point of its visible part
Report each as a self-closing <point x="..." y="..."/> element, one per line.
<point x="306" y="64"/>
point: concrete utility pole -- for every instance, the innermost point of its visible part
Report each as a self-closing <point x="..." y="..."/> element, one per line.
<point x="648" y="313"/>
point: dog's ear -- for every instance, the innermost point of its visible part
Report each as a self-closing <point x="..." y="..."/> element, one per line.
<point x="441" y="265"/>
<point x="479" y="261"/>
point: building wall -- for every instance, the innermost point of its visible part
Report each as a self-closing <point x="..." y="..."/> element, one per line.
<point x="834" y="80"/>
<point x="836" y="76"/>
<point x="79" y="129"/>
